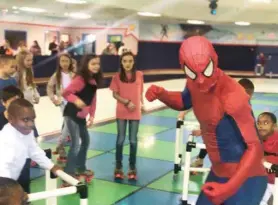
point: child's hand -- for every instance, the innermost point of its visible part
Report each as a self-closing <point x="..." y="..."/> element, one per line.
<point x="36" y="100"/>
<point x="90" y="122"/>
<point x="55" y="169"/>
<point x="196" y="133"/>
<point x="33" y="164"/>
<point x="143" y="109"/>
<point x="131" y="106"/>
<point x="56" y="102"/>
<point x="79" y="103"/>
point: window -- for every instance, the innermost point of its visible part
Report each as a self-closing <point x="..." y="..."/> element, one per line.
<point x="15" y="37"/>
<point x="114" y="38"/>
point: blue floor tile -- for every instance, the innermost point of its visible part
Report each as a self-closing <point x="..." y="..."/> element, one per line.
<point x="36" y="172"/>
<point x="152" y="197"/>
<point x="103" y="141"/>
<point x="148" y="169"/>
<point x="158" y="121"/>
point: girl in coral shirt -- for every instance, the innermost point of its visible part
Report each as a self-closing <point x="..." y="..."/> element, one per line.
<point x="127" y="87"/>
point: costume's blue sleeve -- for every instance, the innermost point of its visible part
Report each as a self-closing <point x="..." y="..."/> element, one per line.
<point x="186" y="99"/>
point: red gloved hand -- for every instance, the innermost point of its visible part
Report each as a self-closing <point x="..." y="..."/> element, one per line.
<point x="153" y="92"/>
<point x="216" y="192"/>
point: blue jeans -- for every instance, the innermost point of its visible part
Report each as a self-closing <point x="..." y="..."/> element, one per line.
<point x="77" y="153"/>
<point x="133" y="131"/>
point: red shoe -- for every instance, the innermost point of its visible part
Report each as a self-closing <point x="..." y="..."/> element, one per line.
<point x="118" y="174"/>
<point x="88" y="175"/>
<point x="132" y="174"/>
<point x="68" y="139"/>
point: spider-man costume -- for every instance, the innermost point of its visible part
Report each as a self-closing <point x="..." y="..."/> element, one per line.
<point x="222" y="108"/>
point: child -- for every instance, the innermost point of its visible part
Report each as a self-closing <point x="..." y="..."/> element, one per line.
<point x="11" y="193"/>
<point x="56" y="84"/>
<point x="249" y="88"/>
<point x="74" y="65"/>
<point x="81" y="97"/>
<point x="25" y="77"/>
<point x="9" y="94"/>
<point x="7" y="69"/>
<point x="267" y="123"/>
<point x="20" y="143"/>
<point x="127" y="87"/>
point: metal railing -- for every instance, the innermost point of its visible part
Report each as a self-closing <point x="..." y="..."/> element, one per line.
<point x="190" y="145"/>
<point x="52" y="192"/>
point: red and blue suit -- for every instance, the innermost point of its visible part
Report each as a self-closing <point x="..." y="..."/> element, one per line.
<point x="222" y="108"/>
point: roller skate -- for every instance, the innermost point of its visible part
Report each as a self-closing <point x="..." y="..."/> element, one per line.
<point x="62" y="159"/>
<point x="88" y="175"/>
<point x="68" y="139"/>
<point x="58" y="149"/>
<point x="118" y="173"/>
<point x="132" y="174"/>
<point x="198" y="163"/>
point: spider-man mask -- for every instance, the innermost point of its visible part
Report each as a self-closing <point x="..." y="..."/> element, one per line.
<point x="199" y="61"/>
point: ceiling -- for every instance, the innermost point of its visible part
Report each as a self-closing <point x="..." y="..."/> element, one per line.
<point x="228" y="11"/>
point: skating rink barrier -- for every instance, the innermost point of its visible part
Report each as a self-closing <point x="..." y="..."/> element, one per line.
<point x="52" y="192"/>
<point x="190" y="145"/>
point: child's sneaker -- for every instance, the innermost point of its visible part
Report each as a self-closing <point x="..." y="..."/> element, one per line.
<point x="68" y="139"/>
<point x="118" y="173"/>
<point x="58" y="149"/>
<point x="132" y="174"/>
<point x="62" y="159"/>
<point x="88" y="175"/>
<point x="198" y="163"/>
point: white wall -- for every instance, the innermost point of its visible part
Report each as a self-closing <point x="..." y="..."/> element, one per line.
<point x="37" y="26"/>
<point x="49" y="118"/>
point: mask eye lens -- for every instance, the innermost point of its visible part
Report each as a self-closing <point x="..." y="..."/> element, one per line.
<point x="189" y="73"/>
<point x="209" y="69"/>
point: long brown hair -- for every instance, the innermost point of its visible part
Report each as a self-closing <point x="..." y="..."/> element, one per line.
<point x="123" y="76"/>
<point x="86" y="74"/>
<point x="21" y="69"/>
<point x="59" y="69"/>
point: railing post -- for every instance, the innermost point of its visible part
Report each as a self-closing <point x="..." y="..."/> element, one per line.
<point x="178" y="147"/>
<point x="186" y="171"/>
<point x="82" y="189"/>
<point x="50" y="181"/>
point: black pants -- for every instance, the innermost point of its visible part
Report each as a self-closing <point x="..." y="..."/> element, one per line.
<point x="24" y="178"/>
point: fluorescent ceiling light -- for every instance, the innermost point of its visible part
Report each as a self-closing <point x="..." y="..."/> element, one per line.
<point x="148" y="14"/>
<point x="73" y="1"/>
<point x="195" y="22"/>
<point x="260" y="1"/>
<point x="29" y="9"/>
<point x="78" y="15"/>
<point x="242" y="23"/>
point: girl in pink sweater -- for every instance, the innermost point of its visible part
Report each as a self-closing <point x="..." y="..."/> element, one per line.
<point x="127" y="87"/>
<point x="81" y="98"/>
